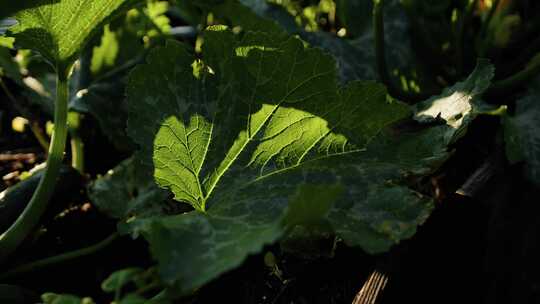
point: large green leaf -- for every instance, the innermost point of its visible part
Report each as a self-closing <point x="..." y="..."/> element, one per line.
<point x="267" y="106"/>
<point x="59" y="29"/>
<point x="259" y="126"/>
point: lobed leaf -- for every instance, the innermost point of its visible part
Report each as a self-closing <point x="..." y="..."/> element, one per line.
<point x="257" y="135"/>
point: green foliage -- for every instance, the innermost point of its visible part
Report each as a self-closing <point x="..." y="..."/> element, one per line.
<point x="52" y="298"/>
<point x="8" y="67"/>
<point x="128" y="36"/>
<point x="270" y="128"/>
<point x="127" y="191"/>
<point x="458" y="103"/>
<point x="278" y="110"/>
<point x="354" y="15"/>
<point x="522" y="133"/>
<point x="259" y="123"/>
<point x="117" y="283"/>
<point x="68" y="26"/>
<point x="123" y="44"/>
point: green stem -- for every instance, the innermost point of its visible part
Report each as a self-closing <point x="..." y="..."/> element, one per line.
<point x="14" y="236"/>
<point x="77" y="145"/>
<point x="382" y="69"/>
<point x="486" y="39"/>
<point x="516" y="80"/>
<point x="463" y="24"/>
<point x="74" y="118"/>
<point x="490" y="15"/>
<point x="36" y="265"/>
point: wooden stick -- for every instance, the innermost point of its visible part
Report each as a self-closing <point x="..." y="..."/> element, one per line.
<point x="373" y="287"/>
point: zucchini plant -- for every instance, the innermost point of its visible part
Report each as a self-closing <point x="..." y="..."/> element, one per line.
<point x="260" y="129"/>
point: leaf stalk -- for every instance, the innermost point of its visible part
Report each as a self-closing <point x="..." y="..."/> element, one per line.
<point x="27" y="221"/>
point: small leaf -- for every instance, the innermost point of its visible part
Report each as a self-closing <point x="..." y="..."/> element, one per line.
<point x="119" y="279"/>
<point x="457" y="104"/>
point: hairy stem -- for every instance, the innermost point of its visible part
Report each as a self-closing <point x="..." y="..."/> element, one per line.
<point x="36" y="265"/>
<point x="14" y="236"/>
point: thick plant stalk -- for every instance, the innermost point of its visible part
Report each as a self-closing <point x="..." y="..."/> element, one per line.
<point x="13" y="237"/>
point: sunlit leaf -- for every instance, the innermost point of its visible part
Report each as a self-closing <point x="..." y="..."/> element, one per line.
<point x="256" y="127"/>
<point x="60" y="29"/>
